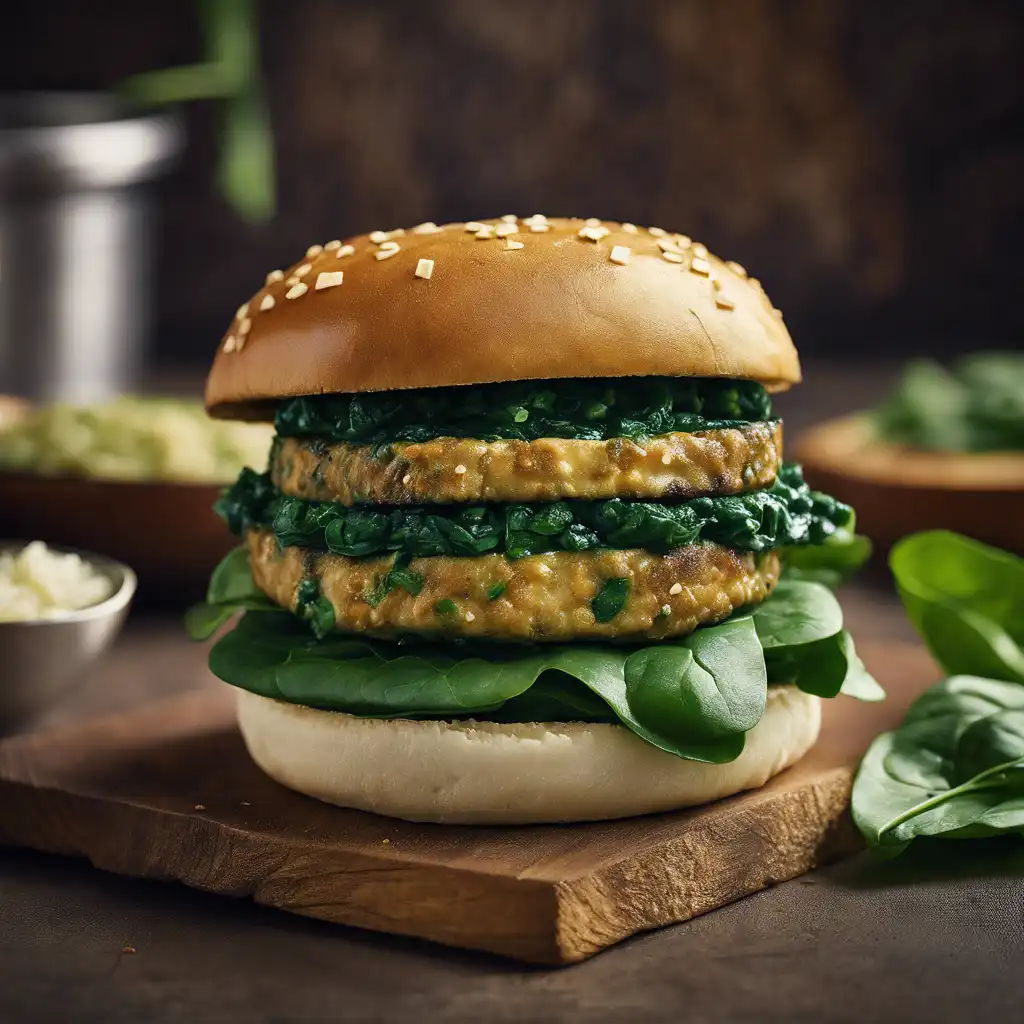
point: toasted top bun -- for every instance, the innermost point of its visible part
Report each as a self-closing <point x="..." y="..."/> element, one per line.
<point x="493" y="301"/>
<point x="469" y="772"/>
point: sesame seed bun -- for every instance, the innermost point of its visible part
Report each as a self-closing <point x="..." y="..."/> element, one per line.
<point x="468" y="772"/>
<point x="492" y="301"/>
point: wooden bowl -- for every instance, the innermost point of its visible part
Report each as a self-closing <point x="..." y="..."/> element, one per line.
<point x="898" y="490"/>
<point x="168" y="533"/>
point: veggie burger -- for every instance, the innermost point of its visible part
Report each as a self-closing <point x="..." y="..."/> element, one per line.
<point x="516" y="555"/>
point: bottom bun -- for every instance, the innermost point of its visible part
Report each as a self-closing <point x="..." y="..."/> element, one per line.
<point x="489" y="772"/>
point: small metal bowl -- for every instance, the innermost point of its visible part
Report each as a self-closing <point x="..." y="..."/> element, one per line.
<point x="40" y="658"/>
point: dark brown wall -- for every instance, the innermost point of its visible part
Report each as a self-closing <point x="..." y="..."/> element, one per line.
<point x="866" y="159"/>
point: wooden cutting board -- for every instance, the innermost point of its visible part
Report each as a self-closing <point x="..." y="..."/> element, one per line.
<point x="169" y="792"/>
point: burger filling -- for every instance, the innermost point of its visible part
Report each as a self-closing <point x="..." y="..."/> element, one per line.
<point x="610" y="545"/>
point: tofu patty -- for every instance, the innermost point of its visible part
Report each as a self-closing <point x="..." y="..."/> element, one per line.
<point x="541" y="598"/>
<point x="731" y="460"/>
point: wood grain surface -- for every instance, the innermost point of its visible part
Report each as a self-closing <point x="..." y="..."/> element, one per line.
<point x="168" y="792"/>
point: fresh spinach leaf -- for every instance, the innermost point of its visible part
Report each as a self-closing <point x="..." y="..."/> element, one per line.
<point x="954" y="768"/>
<point x="966" y="599"/>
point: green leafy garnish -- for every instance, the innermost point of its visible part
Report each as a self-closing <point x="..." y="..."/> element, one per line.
<point x="787" y="514"/>
<point x="446" y="606"/>
<point x="954" y="768"/>
<point x="610" y="599"/>
<point x="584" y="409"/>
<point x="496" y="591"/>
<point x="976" y="405"/>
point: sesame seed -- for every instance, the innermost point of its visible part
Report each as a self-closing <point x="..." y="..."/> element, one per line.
<point x="676" y="588"/>
<point x="667" y="245"/>
<point x="389" y="245"/>
<point x="473" y="226"/>
<point x="724" y="302"/>
<point x="657" y="232"/>
<point x="303" y="270"/>
<point x="485" y="232"/>
<point x="314" y="250"/>
<point x="275" y="275"/>
<point x="619" y="254"/>
<point x="470" y="616"/>
<point x="334" y="243"/>
<point x="754" y="283"/>
<point x="386" y="254"/>
<point x="460" y="469"/>
<point x="535" y="218"/>
<point x="700" y="266"/>
<point x="737" y="268"/>
<point x="592" y="222"/>
<point x="378" y="236"/>
<point x="242" y="312"/>
<point x="240" y="343"/>
<point x="594" y="234"/>
<point x="684" y="241"/>
<point x="700" y="250"/>
<point x="329" y="279"/>
<point x="345" y="250"/>
<point x="229" y="343"/>
<point x="292" y="280"/>
<point x="407" y="479"/>
<point x="666" y="609"/>
<point x="630" y="229"/>
<point x="506" y="229"/>
<point x="296" y="291"/>
<point x="777" y="312"/>
<point x="510" y="218"/>
<point x="539" y="226"/>
<point x="244" y="326"/>
<point x="672" y="257"/>
<point x="424" y="269"/>
<point x="666" y="459"/>
<point x="267" y="302"/>
<point x="428" y="227"/>
<point x="511" y="243"/>
<point x="199" y="807"/>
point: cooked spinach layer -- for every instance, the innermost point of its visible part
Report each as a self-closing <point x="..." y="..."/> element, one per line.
<point x="787" y="513"/>
<point x="582" y="409"/>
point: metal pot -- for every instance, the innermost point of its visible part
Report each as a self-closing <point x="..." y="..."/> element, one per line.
<point x="77" y="242"/>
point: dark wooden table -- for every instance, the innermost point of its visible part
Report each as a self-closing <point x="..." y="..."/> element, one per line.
<point x="937" y="935"/>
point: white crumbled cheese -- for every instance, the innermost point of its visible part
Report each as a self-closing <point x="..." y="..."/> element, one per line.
<point x="37" y="583"/>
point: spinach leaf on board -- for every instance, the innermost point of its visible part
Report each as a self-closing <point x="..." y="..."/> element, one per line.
<point x="954" y="768"/>
<point x="966" y="599"/>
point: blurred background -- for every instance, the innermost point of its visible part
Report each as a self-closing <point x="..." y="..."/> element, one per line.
<point x="865" y="159"/>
